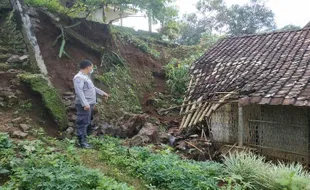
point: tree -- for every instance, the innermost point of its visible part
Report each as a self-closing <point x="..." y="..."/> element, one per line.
<point x="168" y="21"/>
<point x="171" y="29"/>
<point x="249" y="19"/>
<point x="289" y="27"/>
<point x="214" y="16"/>
<point x="157" y="10"/>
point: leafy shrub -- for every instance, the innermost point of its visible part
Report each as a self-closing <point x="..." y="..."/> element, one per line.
<point x="253" y="172"/>
<point x="250" y="167"/>
<point x="51" y="5"/>
<point x="6" y="153"/>
<point x="290" y="176"/>
<point x="165" y="170"/>
<point x="59" y="174"/>
<point x="42" y="167"/>
<point x="178" y="77"/>
<point x="5" y="142"/>
<point x="169" y="171"/>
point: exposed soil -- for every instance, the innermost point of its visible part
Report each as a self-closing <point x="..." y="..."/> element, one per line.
<point x="36" y="116"/>
<point x="60" y="70"/>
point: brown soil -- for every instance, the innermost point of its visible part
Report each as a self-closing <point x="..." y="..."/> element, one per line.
<point x="38" y="114"/>
<point x="60" y="70"/>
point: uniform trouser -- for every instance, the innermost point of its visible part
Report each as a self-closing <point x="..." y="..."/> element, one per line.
<point x="83" y="119"/>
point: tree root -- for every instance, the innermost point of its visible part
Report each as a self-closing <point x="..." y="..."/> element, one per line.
<point x="63" y="43"/>
<point x="108" y="58"/>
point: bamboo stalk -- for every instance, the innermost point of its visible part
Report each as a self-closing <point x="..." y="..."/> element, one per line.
<point x="189" y="116"/>
<point x="185" y="99"/>
<point x="194" y="147"/>
<point x="205" y="112"/>
<point x="184" y="118"/>
<point x="200" y="112"/>
<point x="192" y="122"/>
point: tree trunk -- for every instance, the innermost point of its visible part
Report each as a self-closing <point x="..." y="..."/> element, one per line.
<point x="150" y="21"/>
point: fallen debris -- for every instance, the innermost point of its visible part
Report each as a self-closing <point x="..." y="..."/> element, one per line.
<point x="24" y="127"/>
<point x="19" y="134"/>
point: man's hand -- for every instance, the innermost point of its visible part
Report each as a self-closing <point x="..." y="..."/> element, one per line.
<point x="106" y="96"/>
<point x="86" y="108"/>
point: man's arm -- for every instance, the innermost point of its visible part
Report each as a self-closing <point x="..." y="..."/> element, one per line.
<point x="101" y="92"/>
<point x="78" y="87"/>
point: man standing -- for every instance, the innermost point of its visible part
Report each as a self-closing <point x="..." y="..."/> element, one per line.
<point x="85" y="100"/>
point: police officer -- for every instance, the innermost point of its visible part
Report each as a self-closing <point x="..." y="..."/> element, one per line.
<point x="85" y="100"/>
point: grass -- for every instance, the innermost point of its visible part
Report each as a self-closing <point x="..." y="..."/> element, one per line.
<point x="91" y="159"/>
<point x="162" y="169"/>
<point x="35" y="165"/>
<point x="123" y="93"/>
<point x="59" y="165"/>
<point x="254" y="172"/>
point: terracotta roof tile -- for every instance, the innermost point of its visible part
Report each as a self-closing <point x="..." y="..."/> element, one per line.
<point x="271" y="68"/>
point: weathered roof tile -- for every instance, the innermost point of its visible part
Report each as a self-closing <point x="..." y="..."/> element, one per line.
<point x="271" y="68"/>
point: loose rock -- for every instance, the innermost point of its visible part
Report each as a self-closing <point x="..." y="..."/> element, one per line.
<point x="24" y="127"/>
<point x="73" y="118"/>
<point x="19" y="134"/>
<point x="18" y="120"/>
<point x="70" y="131"/>
<point x="13" y="59"/>
<point x="70" y="124"/>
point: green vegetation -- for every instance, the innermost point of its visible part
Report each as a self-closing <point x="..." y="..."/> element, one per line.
<point x="37" y="165"/>
<point x="5" y="4"/>
<point x="34" y="165"/>
<point x="49" y="95"/>
<point x="111" y="59"/>
<point x="25" y="105"/>
<point x="251" y="171"/>
<point x="140" y="33"/>
<point x="4" y="67"/>
<point x="143" y="43"/>
<point x="11" y="39"/>
<point x="123" y="91"/>
<point x="215" y="16"/>
<point x="178" y="77"/>
<point x="163" y="169"/>
<point x="51" y="5"/>
<point x="177" y="69"/>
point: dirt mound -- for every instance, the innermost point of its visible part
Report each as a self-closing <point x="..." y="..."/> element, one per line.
<point x="137" y="127"/>
<point x="60" y="70"/>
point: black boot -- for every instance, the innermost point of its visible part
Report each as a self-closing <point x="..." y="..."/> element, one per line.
<point x="83" y="143"/>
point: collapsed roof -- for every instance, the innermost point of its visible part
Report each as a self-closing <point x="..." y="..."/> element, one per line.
<point x="271" y="68"/>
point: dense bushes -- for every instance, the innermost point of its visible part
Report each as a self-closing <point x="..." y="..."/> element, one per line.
<point x="51" y="5"/>
<point x="162" y="169"/>
<point x="33" y="165"/>
<point x="239" y="171"/>
<point x="177" y="77"/>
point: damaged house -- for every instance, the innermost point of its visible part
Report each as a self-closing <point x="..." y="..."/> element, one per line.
<point x="254" y="90"/>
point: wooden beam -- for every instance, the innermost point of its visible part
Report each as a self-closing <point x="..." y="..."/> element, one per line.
<point x="240" y="126"/>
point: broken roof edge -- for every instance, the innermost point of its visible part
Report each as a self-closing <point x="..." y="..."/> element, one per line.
<point x="268" y="33"/>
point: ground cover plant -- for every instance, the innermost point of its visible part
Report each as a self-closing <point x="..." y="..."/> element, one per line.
<point x="164" y="169"/>
<point x="59" y="165"/>
<point x="34" y="165"/>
